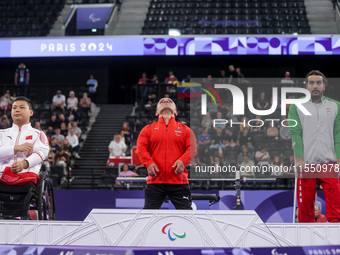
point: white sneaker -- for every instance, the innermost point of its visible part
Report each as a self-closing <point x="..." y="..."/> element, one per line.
<point x="76" y="155"/>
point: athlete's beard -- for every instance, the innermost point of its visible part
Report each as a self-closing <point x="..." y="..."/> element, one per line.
<point x="318" y="96"/>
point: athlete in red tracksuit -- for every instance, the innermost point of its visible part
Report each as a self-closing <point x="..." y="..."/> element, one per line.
<point x="165" y="148"/>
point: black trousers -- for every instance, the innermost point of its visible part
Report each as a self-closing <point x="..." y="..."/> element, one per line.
<point x="179" y="195"/>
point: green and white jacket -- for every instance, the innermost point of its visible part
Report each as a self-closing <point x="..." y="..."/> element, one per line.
<point x="316" y="137"/>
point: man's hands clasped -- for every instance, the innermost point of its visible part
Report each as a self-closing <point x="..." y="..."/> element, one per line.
<point x="18" y="166"/>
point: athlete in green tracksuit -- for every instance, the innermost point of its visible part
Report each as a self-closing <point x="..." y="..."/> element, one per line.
<point x="316" y="143"/>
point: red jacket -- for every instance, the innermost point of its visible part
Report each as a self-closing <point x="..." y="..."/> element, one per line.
<point x="163" y="145"/>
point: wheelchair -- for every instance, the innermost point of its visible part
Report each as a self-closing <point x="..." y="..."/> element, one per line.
<point x="29" y="201"/>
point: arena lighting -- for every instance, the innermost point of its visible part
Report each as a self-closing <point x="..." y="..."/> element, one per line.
<point x="174" y="32"/>
<point x="93" y="30"/>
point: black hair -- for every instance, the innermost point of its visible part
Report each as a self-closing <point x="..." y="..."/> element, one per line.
<point x="316" y="72"/>
<point x="29" y="102"/>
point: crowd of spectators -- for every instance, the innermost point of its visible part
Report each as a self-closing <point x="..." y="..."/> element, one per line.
<point x="240" y="145"/>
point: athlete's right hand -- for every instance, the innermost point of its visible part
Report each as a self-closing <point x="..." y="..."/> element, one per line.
<point x="23" y="147"/>
<point x="300" y="163"/>
<point x="152" y="168"/>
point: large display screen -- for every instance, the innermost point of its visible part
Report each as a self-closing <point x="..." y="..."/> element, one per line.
<point x="168" y="46"/>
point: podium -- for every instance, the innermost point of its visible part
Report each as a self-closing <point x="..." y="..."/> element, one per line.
<point x="168" y="228"/>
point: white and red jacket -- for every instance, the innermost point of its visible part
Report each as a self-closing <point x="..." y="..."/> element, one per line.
<point x="15" y="136"/>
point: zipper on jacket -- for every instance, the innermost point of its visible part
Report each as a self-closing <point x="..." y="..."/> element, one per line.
<point x="166" y="146"/>
<point x="16" y="143"/>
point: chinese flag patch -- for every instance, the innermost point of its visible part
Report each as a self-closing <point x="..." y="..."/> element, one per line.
<point x="29" y="137"/>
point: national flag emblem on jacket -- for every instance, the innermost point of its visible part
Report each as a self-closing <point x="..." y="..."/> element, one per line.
<point x="29" y="137"/>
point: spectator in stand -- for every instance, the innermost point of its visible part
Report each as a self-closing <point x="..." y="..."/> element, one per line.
<point x="244" y="123"/>
<point x="230" y="140"/>
<point x="171" y="78"/>
<point x="74" y="141"/>
<point x="247" y="166"/>
<point x="262" y="156"/>
<point x="6" y="101"/>
<point x="144" y="90"/>
<point x="219" y="116"/>
<point x="58" y="102"/>
<point x="204" y="139"/>
<point x="151" y="102"/>
<point x="77" y="130"/>
<point x="63" y="129"/>
<point x="207" y="122"/>
<point x="258" y="126"/>
<point x="272" y="131"/>
<point x="187" y="79"/>
<point x="144" y="79"/>
<point x="287" y="79"/>
<point x="4" y="122"/>
<point x="72" y="101"/>
<point x="58" y="136"/>
<point x="208" y="80"/>
<point x="49" y="161"/>
<point x="155" y="79"/>
<point x="203" y="157"/>
<point x="21" y="78"/>
<point x="284" y="133"/>
<point x="126" y="132"/>
<point x="85" y="103"/>
<point x="125" y="173"/>
<point x="217" y="139"/>
<point x="232" y="75"/>
<point x="117" y="147"/>
<point x="240" y="76"/>
<point x="54" y="144"/>
<point x="277" y="166"/>
<point x="53" y="123"/>
<point x="223" y="78"/>
<point x="216" y="162"/>
<point x="318" y="216"/>
<point x="22" y="75"/>
<point x="71" y="116"/>
<point x="66" y="146"/>
<point x="62" y="159"/>
<point x="244" y="152"/>
<point x="246" y="140"/>
<point x="37" y="125"/>
<point x="125" y="138"/>
<point x="263" y="103"/>
<point x="61" y="118"/>
<point x="93" y="85"/>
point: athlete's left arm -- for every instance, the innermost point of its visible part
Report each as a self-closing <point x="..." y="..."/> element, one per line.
<point x="40" y="150"/>
<point x="190" y="147"/>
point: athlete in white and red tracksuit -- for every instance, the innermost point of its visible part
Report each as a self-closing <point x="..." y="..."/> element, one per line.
<point x="165" y="148"/>
<point x="316" y="140"/>
<point x="22" y="148"/>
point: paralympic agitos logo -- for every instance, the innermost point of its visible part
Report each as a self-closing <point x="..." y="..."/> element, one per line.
<point x="239" y="103"/>
<point x="175" y="236"/>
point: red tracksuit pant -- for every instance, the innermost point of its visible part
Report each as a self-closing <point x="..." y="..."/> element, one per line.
<point x="306" y="187"/>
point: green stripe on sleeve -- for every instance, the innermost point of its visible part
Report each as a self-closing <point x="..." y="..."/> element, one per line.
<point x="296" y="132"/>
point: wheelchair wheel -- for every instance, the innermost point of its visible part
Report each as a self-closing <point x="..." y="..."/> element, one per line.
<point x="46" y="204"/>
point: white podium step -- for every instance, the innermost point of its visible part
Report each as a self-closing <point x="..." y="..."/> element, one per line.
<point x="166" y="228"/>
